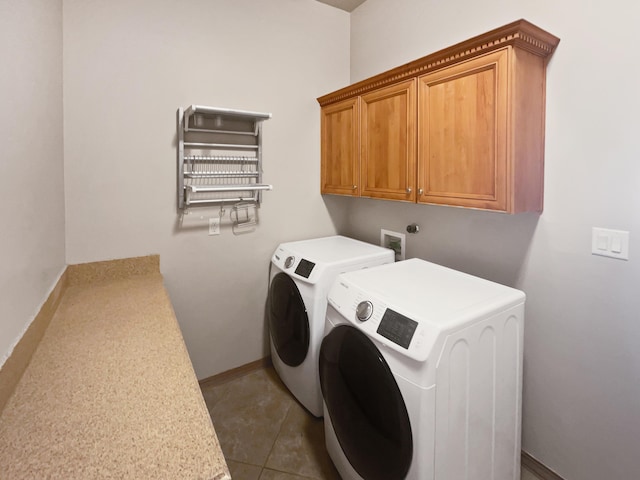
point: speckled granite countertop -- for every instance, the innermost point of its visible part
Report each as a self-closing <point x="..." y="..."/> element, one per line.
<point x="110" y="392"/>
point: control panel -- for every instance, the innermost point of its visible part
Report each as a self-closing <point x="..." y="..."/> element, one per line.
<point x="397" y="328"/>
<point x="304" y="268"/>
<point x="390" y="325"/>
<point x="296" y="266"/>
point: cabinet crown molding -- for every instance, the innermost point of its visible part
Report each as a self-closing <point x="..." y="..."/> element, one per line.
<point x="520" y="34"/>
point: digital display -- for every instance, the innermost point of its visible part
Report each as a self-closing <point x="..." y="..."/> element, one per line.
<point x="304" y="268"/>
<point x="397" y="328"/>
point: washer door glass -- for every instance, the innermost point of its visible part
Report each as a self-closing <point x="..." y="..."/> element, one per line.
<point x="288" y="321"/>
<point x="366" y="408"/>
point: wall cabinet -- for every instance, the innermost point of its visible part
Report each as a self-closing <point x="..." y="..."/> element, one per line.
<point x="388" y="142"/>
<point x="464" y="132"/>
<point x="339" y="159"/>
<point x="368" y="144"/>
<point x="461" y="127"/>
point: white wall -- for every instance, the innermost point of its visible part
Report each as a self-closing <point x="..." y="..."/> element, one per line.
<point x="128" y="66"/>
<point x="582" y="335"/>
<point x="32" y="189"/>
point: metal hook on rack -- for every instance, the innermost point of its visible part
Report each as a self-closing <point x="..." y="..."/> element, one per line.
<point x="246" y="217"/>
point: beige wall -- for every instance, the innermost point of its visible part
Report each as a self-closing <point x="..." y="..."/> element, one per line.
<point x="127" y="67"/>
<point x="32" y="206"/>
<point x="582" y="335"/>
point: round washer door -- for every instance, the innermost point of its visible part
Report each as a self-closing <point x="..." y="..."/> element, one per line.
<point x="366" y="408"/>
<point x="288" y="320"/>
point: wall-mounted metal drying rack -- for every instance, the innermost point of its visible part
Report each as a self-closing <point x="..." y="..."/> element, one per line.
<point x="219" y="156"/>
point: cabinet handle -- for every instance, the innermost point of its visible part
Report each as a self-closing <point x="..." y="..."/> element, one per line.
<point x="409" y="190"/>
<point x="420" y="191"/>
<point x="354" y="187"/>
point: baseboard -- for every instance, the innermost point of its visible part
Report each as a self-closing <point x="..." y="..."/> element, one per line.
<point x="537" y="468"/>
<point x="15" y="365"/>
<point x="234" y="373"/>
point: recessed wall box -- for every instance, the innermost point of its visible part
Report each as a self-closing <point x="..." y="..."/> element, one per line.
<point x="395" y="241"/>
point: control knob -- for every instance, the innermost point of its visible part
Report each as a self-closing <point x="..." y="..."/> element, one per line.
<point x="364" y="311"/>
<point x="289" y="261"/>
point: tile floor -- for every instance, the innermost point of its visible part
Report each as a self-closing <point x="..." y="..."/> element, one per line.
<point x="266" y="435"/>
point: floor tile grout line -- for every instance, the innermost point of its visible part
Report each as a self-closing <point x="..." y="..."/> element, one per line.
<point x="284" y="419"/>
<point x="226" y="393"/>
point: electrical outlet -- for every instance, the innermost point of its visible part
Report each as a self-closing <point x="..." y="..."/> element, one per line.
<point x="214" y="226"/>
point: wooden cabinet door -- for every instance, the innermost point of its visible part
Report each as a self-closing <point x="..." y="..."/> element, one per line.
<point x="388" y="142"/>
<point x="463" y="136"/>
<point x="339" y="148"/>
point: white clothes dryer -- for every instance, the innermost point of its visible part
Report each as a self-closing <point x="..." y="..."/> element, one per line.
<point x="301" y="274"/>
<point x="421" y="375"/>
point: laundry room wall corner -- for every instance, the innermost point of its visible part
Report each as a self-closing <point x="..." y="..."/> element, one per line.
<point x="339" y="209"/>
<point x="127" y="68"/>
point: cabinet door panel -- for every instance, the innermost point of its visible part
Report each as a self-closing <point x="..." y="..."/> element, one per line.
<point x="462" y="145"/>
<point x="388" y="142"/>
<point x="339" y="149"/>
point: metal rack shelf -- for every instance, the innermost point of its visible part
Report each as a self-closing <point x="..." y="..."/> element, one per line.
<point x="211" y="169"/>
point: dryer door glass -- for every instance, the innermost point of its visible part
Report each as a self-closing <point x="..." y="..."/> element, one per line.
<point x="288" y="321"/>
<point x="366" y="408"/>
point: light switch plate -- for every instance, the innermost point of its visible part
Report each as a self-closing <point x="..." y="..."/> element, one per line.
<point x="610" y="243"/>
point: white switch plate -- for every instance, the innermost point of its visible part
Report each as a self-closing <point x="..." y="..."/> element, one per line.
<point x="610" y="243"/>
<point x="214" y="226"/>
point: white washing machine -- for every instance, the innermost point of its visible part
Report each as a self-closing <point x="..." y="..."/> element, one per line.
<point x="421" y="374"/>
<point x="301" y="274"/>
